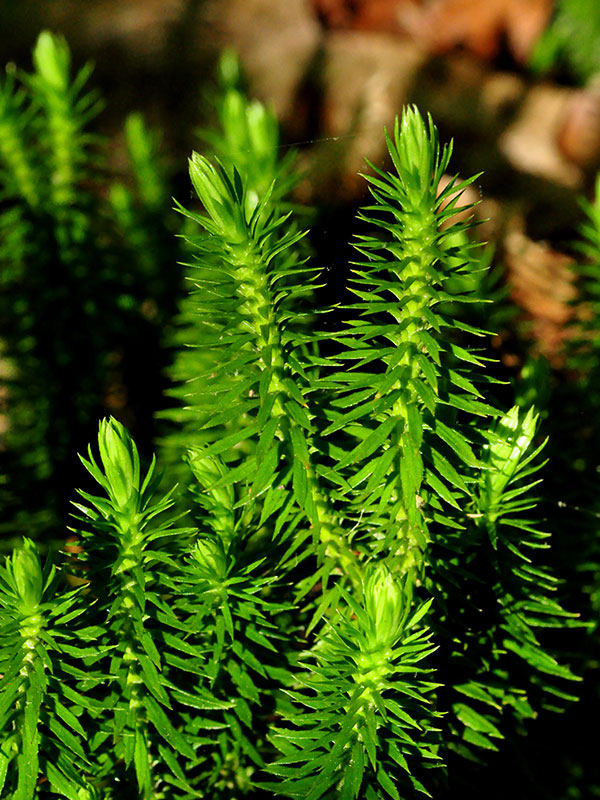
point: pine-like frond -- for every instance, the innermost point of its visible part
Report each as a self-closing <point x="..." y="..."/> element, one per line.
<point x="411" y="449"/>
<point x="360" y="722"/>
<point x="497" y="596"/>
<point x="223" y="609"/>
<point x="42" y="735"/>
<point x="121" y="539"/>
<point x="253" y="399"/>
<point x="405" y="406"/>
<point x="247" y="141"/>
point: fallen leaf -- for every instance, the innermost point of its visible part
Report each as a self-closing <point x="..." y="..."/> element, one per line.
<point x="482" y="27"/>
<point x="541" y="283"/>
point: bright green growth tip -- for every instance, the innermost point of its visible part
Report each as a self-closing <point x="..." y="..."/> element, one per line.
<point x="52" y="60"/>
<point x="26" y="569"/>
<point x="414" y="149"/>
<point x="508" y="446"/>
<point x="120" y="460"/>
<point x="212" y="560"/>
<point x="216" y="191"/>
<point x="207" y="471"/>
<point x="206" y="182"/>
<point x="384" y="603"/>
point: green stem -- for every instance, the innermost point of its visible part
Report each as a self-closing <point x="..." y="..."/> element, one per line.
<point x="415" y="249"/>
<point x="30" y="628"/>
<point x="63" y="131"/>
<point x="258" y="313"/>
<point x="134" y="680"/>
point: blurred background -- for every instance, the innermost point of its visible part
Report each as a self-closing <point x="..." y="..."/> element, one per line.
<point x="515" y="83"/>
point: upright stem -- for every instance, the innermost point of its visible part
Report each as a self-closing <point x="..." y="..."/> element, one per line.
<point x="259" y="316"/>
<point x="129" y="560"/>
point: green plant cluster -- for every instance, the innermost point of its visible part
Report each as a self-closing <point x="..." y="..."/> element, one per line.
<point x="352" y="598"/>
<point x="82" y="271"/>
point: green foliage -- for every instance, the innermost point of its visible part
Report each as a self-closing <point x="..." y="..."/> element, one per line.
<point x="502" y="669"/>
<point x="584" y="344"/>
<point x="355" y="589"/>
<point x="247" y="143"/>
<point x="571" y="40"/>
<point x="368" y="713"/>
<point x="574" y="440"/>
<point x="407" y="383"/>
<point x="41" y="734"/>
<point x="80" y="277"/>
<point x="584" y="357"/>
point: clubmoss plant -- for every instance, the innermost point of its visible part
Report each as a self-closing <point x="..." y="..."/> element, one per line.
<point x="353" y="591"/>
<point x="248" y="138"/>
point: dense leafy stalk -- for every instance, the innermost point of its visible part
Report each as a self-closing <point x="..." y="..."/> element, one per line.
<point x="118" y="549"/>
<point x="584" y="344"/>
<point x="584" y="358"/>
<point x="499" y="594"/>
<point x="406" y="399"/>
<point x="363" y="714"/>
<point x="249" y="378"/>
<point x="43" y="738"/>
<point x="248" y="138"/>
<point x="223" y="603"/>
